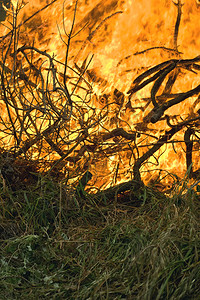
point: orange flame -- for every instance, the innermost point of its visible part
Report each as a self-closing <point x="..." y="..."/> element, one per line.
<point x="115" y="34"/>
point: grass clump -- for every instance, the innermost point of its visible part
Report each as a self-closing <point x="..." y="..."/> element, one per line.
<point x="55" y="247"/>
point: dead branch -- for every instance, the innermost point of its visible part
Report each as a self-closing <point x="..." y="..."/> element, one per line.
<point x="26" y="20"/>
<point x="173" y="51"/>
<point x="54" y="116"/>
<point x="189" y="146"/>
<point x="114" y="192"/>
<point x="162" y="140"/>
<point x="178" y="20"/>
<point x="158" y="112"/>
<point x="161" y="68"/>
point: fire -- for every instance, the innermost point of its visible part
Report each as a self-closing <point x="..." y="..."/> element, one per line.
<point x="111" y="43"/>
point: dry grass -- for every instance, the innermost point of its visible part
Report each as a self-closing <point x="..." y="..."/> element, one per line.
<point x="57" y="249"/>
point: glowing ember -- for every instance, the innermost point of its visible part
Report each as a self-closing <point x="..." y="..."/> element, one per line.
<point x="85" y="112"/>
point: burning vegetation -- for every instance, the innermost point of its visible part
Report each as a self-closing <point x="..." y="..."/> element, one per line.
<point x="100" y="93"/>
<point x="99" y="149"/>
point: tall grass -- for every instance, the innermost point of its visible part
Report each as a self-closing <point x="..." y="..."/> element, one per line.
<point x="57" y="246"/>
